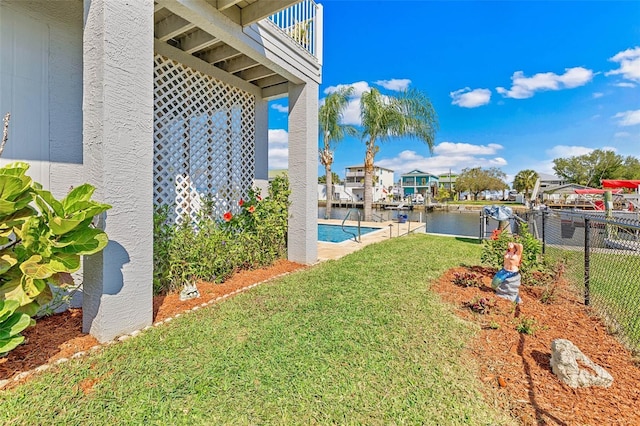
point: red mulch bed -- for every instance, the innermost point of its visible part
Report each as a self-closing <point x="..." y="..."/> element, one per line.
<point x="516" y="367"/>
<point x="60" y="336"/>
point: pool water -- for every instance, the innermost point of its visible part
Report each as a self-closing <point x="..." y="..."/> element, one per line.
<point x="335" y="234"/>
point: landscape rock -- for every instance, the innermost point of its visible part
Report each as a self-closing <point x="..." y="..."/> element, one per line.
<point x="565" y="359"/>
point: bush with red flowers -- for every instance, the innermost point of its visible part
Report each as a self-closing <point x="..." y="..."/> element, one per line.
<point x="252" y="234"/>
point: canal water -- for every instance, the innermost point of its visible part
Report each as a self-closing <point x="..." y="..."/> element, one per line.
<point x="451" y="223"/>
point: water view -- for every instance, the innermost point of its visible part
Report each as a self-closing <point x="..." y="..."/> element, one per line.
<point x="451" y="223"/>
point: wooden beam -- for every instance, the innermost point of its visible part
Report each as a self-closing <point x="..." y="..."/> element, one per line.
<point x="171" y="27"/>
<point x="237" y="64"/>
<point x="197" y="40"/>
<point x="263" y="9"/>
<point x="275" y="92"/>
<point x="225" y="4"/>
<point x="270" y="81"/>
<point x="219" y="54"/>
<point x="255" y="73"/>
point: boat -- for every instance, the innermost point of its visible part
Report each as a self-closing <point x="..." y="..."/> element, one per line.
<point x="401" y="206"/>
<point x="620" y="244"/>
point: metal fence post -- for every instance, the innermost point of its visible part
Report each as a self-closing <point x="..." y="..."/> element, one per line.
<point x="544" y="238"/>
<point x="587" y="252"/>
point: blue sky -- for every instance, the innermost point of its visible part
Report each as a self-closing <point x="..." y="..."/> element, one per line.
<point x="515" y="84"/>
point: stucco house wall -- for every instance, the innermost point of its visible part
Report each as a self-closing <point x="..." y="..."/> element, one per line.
<point x="77" y="77"/>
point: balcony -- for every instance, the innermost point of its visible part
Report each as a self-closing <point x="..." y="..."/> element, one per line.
<point x="263" y="43"/>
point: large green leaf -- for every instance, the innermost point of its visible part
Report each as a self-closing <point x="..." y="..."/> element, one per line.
<point x="12" y="290"/>
<point x="64" y="262"/>
<point x="11" y="187"/>
<point x="33" y="287"/>
<point x="7" y="308"/>
<point x="17" y="218"/>
<point x="36" y="268"/>
<point x="35" y="236"/>
<point x="10" y="344"/>
<point x="77" y="194"/>
<point x="60" y="226"/>
<point x="14" y="325"/>
<point x="32" y="308"/>
<point x="17" y="168"/>
<point x="8" y="259"/>
<point x="84" y="241"/>
<point x="51" y="201"/>
<point x="61" y="279"/>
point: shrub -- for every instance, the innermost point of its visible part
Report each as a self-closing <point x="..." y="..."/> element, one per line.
<point x="467" y="279"/>
<point x="41" y="241"/>
<point x="493" y="250"/>
<point x="481" y="305"/>
<point x="526" y="325"/>
<point x="253" y="235"/>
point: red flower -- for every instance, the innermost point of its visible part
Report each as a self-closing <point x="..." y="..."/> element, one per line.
<point x="241" y="202"/>
<point x="495" y="234"/>
<point x="259" y="198"/>
<point x="227" y="216"/>
<point x="252" y="209"/>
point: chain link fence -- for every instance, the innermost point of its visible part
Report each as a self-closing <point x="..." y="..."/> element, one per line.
<point x="599" y="254"/>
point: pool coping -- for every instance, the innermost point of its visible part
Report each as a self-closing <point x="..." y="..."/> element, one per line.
<point x="329" y="251"/>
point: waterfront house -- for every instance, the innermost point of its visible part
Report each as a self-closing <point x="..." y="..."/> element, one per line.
<point x="382" y="182"/>
<point x="157" y="103"/>
<point x="419" y="182"/>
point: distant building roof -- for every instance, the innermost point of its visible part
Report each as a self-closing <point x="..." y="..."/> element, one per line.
<point x="545" y="177"/>
<point x="419" y="172"/>
<point x="564" y="189"/>
<point x="361" y="166"/>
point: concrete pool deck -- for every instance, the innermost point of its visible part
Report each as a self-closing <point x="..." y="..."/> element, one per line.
<point x="328" y="251"/>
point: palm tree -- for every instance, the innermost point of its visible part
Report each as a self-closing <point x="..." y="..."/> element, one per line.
<point x="329" y="117"/>
<point x="409" y="114"/>
<point x="525" y="181"/>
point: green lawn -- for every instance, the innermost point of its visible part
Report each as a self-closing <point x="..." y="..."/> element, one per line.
<point x="360" y="340"/>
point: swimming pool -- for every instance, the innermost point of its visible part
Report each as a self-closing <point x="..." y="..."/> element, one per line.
<point x="335" y="234"/>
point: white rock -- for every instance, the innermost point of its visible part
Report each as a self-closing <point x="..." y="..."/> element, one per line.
<point x="564" y="364"/>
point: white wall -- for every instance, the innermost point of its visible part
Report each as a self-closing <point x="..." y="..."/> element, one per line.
<point x="41" y="86"/>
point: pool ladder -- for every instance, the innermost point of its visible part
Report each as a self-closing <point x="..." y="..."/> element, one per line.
<point x="356" y="238"/>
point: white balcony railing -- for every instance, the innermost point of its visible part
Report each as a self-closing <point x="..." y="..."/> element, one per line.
<point x="303" y="23"/>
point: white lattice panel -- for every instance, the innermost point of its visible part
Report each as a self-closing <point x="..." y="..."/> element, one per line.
<point x="204" y="139"/>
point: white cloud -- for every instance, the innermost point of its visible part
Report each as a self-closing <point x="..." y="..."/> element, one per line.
<point x="621" y="135"/>
<point x="597" y="95"/>
<point x="359" y="88"/>
<point x="457" y="148"/>
<point x="280" y="108"/>
<point x="566" y="151"/>
<point x="396" y="84"/>
<point x="525" y="87"/>
<point x="623" y="84"/>
<point x="278" y="149"/>
<point x="628" y="118"/>
<point x="468" y="98"/>
<point x="448" y="156"/>
<point x="629" y="61"/>
<point x="351" y="114"/>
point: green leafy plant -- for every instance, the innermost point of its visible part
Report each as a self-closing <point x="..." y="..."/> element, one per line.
<point x="252" y="234"/>
<point x="42" y="238"/>
<point x="481" y="305"/>
<point x="493" y="250"/>
<point x="526" y="325"/>
<point x="467" y="279"/>
<point x="11" y="324"/>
